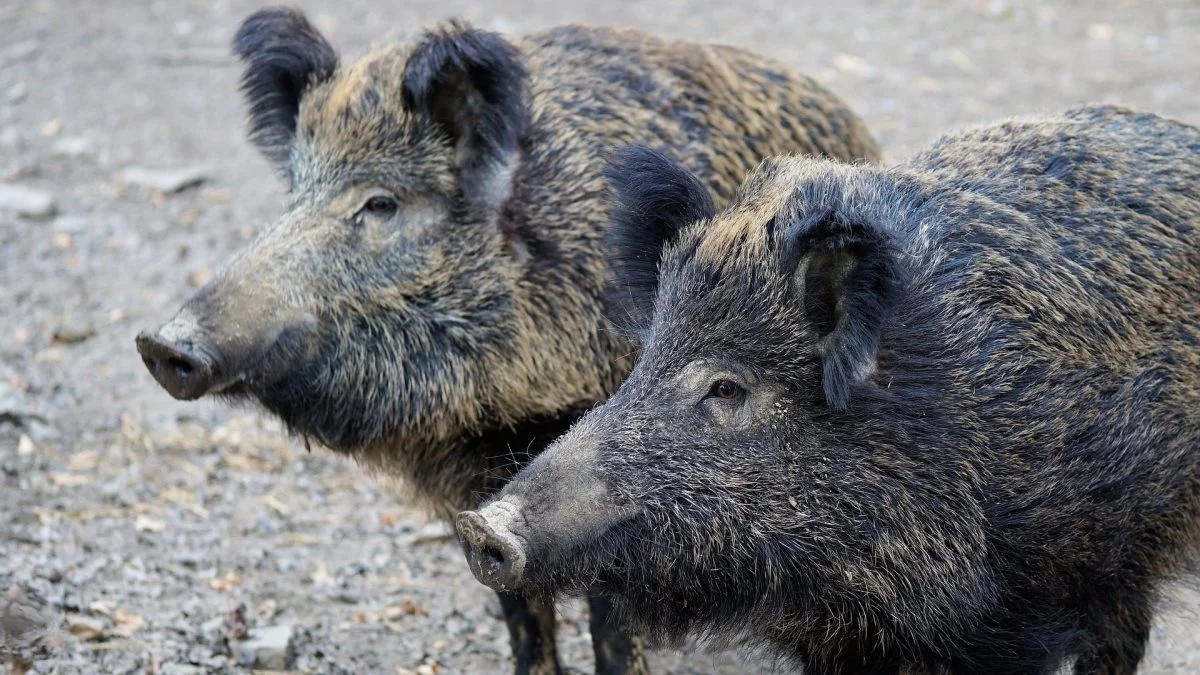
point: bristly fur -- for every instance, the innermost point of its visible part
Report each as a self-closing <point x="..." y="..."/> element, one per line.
<point x="653" y="198"/>
<point x="1007" y="471"/>
<point x="284" y="55"/>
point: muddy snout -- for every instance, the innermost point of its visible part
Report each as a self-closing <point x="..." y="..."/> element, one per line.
<point x="179" y="366"/>
<point x="496" y="555"/>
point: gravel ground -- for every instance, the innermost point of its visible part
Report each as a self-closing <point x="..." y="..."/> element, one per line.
<point x="163" y="532"/>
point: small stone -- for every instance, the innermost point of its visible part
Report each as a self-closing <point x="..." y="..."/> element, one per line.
<point x="180" y="669"/>
<point x="70" y="224"/>
<point x="17" y="93"/>
<point x="19" y="51"/>
<point x="25" y="446"/>
<point x="1100" y="32"/>
<point x="348" y="596"/>
<point x="166" y="181"/>
<point x="70" y="335"/>
<point x="855" y="65"/>
<point x="266" y="649"/>
<point x="51" y="128"/>
<point x="148" y="524"/>
<point x="71" y="146"/>
<point x="26" y="201"/>
<point x="10" y="137"/>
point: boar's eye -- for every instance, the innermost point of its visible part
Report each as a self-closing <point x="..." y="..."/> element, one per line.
<point x="726" y="389"/>
<point x="380" y="206"/>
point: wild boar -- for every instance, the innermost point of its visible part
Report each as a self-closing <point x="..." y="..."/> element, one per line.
<point x="942" y="417"/>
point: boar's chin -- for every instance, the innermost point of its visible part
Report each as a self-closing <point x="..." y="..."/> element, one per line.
<point x="340" y="425"/>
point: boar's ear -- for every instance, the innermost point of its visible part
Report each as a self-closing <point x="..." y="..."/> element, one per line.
<point x="850" y="276"/>
<point x="471" y="84"/>
<point x="653" y="199"/>
<point x="283" y="54"/>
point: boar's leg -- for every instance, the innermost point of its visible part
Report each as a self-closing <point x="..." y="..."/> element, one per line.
<point x="618" y="652"/>
<point x="1117" y="641"/>
<point x="531" y="630"/>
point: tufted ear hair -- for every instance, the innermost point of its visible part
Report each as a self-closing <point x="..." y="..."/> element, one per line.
<point x="849" y="277"/>
<point x="653" y="199"/>
<point x="472" y="85"/>
<point x="283" y="54"/>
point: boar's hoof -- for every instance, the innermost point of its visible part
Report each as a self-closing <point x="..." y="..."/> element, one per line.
<point x="180" y="370"/>
<point x="497" y="558"/>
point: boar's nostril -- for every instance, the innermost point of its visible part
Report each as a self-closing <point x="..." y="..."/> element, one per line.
<point x="497" y="558"/>
<point x="181" y="367"/>
<point x="178" y="368"/>
<point x="491" y="558"/>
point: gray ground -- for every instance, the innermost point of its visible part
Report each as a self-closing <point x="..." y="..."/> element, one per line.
<point x="148" y="522"/>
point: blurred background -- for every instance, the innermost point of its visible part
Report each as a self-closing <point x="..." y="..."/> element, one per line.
<point x="162" y="529"/>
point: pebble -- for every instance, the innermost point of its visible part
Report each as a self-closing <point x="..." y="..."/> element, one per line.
<point x="26" y="201"/>
<point x="71" y="146"/>
<point x="10" y="138"/>
<point x="266" y="649"/>
<point x="180" y="669"/>
<point x="17" y="92"/>
<point x="19" y="51"/>
<point x="67" y="224"/>
<point x="167" y="181"/>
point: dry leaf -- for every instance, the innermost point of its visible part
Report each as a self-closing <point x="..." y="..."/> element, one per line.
<point x="223" y="584"/>
<point x="185" y="499"/>
<point x="406" y="608"/>
<point x="200" y="277"/>
<point x="239" y="462"/>
<point x="102" y="607"/>
<point x="278" y="506"/>
<point x="126" y="624"/>
<point x="320" y="575"/>
<point x="85" y="627"/>
<point x="67" y="479"/>
<point x="84" y="461"/>
<point x="71" y="336"/>
<point x="267" y="609"/>
<point x="388" y="520"/>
